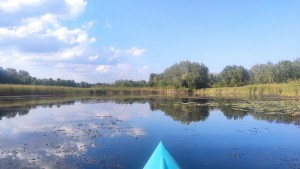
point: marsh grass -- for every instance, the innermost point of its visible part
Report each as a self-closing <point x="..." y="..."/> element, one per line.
<point x="26" y="90"/>
<point x="21" y="90"/>
<point x="290" y="89"/>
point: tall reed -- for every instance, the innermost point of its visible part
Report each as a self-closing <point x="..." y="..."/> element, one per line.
<point x="21" y="90"/>
<point x="282" y="89"/>
<point x="25" y="90"/>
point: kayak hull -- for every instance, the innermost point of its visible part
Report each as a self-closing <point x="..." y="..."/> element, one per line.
<point x="161" y="159"/>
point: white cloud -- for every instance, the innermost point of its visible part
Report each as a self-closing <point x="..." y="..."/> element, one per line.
<point x="111" y="73"/>
<point x="73" y="36"/>
<point x="15" y="5"/>
<point x="122" y="69"/>
<point x="34" y="37"/>
<point x="88" y="25"/>
<point x="135" y="51"/>
<point x="29" y="26"/>
<point x="66" y="54"/>
<point x="93" y="58"/>
<point x="143" y="69"/>
<point x="117" y="71"/>
<point x="78" y="72"/>
<point x="103" y="68"/>
<point x="114" y="53"/>
<point x="42" y="37"/>
<point x="76" y="7"/>
<point x="59" y="66"/>
<point x="70" y="53"/>
<point x="63" y="9"/>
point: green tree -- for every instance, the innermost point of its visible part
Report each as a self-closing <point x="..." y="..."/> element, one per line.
<point x="263" y="73"/>
<point x="153" y="80"/>
<point x="183" y="74"/>
<point x="213" y="79"/>
<point x="284" y="71"/>
<point x="296" y="67"/>
<point x="232" y="76"/>
<point x="2" y="75"/>
<point x="24" y="77"/>
<point x="11" y="76"/>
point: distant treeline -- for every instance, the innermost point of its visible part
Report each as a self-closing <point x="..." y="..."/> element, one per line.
<point x="185" y="74"/>
<point x="194" y="75"/>
<point x="281" y="72"/>
<point x="12" y="76"/>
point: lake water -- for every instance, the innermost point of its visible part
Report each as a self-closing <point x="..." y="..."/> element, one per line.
<point x="122" y="133"/>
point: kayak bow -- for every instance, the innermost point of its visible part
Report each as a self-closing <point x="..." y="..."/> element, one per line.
<point x="161" y="159"/>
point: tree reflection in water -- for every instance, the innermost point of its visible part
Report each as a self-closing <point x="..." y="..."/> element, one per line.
<point x="182" y="110"/>
<point x="185" y="110"/>
<point x="67" y="142"/>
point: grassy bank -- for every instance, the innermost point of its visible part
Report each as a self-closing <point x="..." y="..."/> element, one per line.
<point x="27" y="90"/>
<point x="21" y="90"/>
<point x="137" y="91"/>
<point x="290" y="89"/>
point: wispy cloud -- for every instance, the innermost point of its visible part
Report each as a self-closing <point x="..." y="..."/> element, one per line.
<point x="143" y="68"/>
<point x="116" y="70"/>
<point x="88" y="25"/>
<point x="135" y="51"/>
<point x="93" y="58"/>
<point x="103" y="68"/>
<point x="110" y="73"/>
<point x="107" y="24"/>
<point x="122" y="69"/>
<point x="113" y="53"/>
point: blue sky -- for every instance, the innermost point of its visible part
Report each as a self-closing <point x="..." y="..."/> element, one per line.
<point x="106" y="40"/>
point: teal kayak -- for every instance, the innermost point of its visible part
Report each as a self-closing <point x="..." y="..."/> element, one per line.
<point x="161" y="159"/>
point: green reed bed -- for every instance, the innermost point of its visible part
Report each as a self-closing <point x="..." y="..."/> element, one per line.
<point x="21" y="90"/>
<point x="290" y="89"/>
<point x="25" y="90"/>
<point x="136" y="91"/>
<point x="284" y="89"/>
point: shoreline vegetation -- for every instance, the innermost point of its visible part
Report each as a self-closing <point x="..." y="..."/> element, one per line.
<point x="289" y="89"/>
<point x="184" y="78"/>
<point x="7" y="90"/>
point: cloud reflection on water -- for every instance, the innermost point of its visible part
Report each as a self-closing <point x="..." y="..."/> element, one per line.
<point x="56" y="134"/>
<point x="48" y="137"/>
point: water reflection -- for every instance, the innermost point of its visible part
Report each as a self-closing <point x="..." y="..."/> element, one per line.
<point x="11" y="113"/>
<point x="232" y="113"/>
<point x="51" y="146"/>
<point x="12" y="107"/>
<point x="58" y="136"/>
<point x="181" y="110"/>
<point x="80" y="132"/>
<point x="185" y="110"/>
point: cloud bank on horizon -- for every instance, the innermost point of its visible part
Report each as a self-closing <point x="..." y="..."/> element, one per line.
<point x="35" y="36"/>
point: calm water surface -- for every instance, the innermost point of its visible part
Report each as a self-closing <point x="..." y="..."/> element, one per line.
<point x="122" y="133"/>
